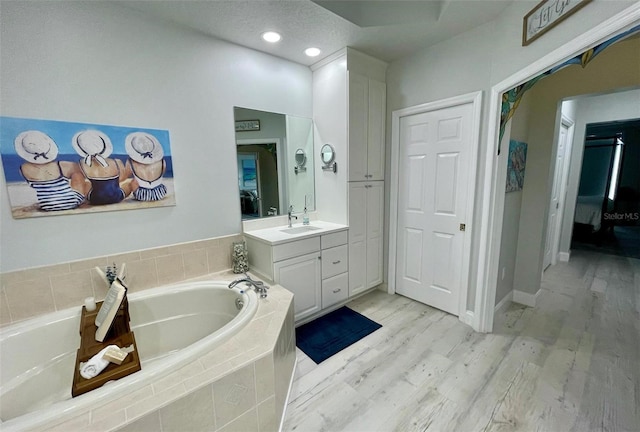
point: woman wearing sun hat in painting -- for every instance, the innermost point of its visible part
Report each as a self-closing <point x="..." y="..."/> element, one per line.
<point x="146" y="158"/>
<point x="58" y="185"/>
<point x="109" y="178"/>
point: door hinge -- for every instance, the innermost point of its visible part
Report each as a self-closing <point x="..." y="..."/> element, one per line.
<point x="463" y="227"/>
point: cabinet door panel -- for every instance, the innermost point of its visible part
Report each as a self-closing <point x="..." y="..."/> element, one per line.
<point x="375" y="209"/>
<point x="357" y="267"/>
<point x="357" y="212"/>
<point x="358" y="129"/>
<point x="375" y="216"/>
<point x="357" y="237"/>
<point x="301" y="276"/>
<point x="374" y="262"/>
<point x="376" y="136"/>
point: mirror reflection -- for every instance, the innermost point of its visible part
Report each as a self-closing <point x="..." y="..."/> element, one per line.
<point x="301" y="160"/>
<point x="327" y="153"/>
<point x="273" y="154"/>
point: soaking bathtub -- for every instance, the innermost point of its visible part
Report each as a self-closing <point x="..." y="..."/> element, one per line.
<point x="173" y="326"/>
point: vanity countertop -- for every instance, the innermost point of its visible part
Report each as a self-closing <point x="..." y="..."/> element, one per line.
<point x="279" y="235"/>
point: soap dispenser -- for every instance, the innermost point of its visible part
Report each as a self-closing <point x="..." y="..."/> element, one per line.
<point x="305" y="217"/>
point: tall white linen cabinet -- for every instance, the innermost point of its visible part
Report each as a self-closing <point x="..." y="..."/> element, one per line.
<point x="349" y="112"/>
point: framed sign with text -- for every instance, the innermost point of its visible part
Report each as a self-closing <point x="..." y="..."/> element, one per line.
<point x="546" y="15"/>
<point x="247" y="125"/>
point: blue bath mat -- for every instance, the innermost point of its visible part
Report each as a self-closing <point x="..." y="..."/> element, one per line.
<point x="329" y="334"/>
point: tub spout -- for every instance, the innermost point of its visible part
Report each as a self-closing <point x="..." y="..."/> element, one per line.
<point x="258" y="286"/>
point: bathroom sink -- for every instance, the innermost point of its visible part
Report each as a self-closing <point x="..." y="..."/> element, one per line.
<point x="300" y="229"/>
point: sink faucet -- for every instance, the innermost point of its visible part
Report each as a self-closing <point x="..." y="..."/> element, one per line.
<point x="291" y="216"/>
<point x="258" y="286"/>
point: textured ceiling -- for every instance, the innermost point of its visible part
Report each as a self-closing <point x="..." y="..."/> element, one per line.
<point x="387" y="29"/>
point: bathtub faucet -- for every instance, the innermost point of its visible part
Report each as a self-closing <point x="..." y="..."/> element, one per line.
<point x="258" y="286"/>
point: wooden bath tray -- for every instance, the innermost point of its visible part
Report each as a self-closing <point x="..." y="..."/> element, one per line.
<point x="120" y="334"/>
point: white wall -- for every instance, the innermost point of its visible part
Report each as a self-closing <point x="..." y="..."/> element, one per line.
<point x="519" y="131"/>
<point x="592" y="109"/>
<point x="330" y="127"/>
<point x="477" y="60"/>
<point x="102" y="63"/>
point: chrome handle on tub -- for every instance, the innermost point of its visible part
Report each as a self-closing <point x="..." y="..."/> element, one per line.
<point x="335" y="291"/>
<point x="337" y="262"/>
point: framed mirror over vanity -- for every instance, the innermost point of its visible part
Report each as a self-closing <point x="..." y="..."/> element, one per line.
<point x="275" y="163"/>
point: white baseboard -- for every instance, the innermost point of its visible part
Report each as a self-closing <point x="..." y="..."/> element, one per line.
<point x="505" y="300"/>
<point x="526" y="298"/>
<point x="564" y="256"/>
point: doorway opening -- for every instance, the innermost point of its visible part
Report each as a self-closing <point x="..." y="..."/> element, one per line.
<point x="495" y="171"/>
<point x="260" y="177"/>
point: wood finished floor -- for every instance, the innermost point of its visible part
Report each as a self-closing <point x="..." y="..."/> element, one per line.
<point x="572" y="363"/>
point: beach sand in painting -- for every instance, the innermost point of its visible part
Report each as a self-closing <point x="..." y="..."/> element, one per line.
<point x="24" y="203"/>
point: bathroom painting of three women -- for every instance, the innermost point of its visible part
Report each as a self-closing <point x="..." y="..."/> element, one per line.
<point x="54" y="167"/>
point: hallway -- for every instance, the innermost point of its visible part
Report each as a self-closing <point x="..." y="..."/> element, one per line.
<point x="571" y="363"/>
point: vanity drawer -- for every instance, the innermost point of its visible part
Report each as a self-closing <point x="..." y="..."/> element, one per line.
<point x="335" y="289"/>
<point x="334" y="261"/>
<point x="296" y="248"/>
<point x="334" y="239"/>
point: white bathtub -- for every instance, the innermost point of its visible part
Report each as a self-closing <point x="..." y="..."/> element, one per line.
<point x="173" y="326"/>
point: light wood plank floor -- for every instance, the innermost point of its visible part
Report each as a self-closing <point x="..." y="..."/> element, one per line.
<point x="572" y="363"/>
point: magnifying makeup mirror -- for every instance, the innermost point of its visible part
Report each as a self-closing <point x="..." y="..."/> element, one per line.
<point x="328" y="156"/>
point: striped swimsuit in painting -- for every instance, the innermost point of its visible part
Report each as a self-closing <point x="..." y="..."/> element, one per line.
<point x="149" y="190"/>
<point x="56" y="194"/>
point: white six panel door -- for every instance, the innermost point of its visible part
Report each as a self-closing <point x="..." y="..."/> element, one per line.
<point x="434" y="167"/>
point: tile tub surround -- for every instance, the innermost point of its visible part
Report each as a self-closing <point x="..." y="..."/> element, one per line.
<point x="241" y="385"/>
<point x="36" y="291"/>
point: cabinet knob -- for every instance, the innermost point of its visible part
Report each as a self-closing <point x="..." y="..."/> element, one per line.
<point x="335" y="291"/>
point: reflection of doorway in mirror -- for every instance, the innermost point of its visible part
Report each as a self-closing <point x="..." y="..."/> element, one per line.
<point x="248" y="168"/>
<point x="259" y="178"/>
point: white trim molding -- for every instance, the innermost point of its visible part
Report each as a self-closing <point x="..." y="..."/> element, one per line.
<point x="526" y="298"/>
<point x="475" y="98"/>
<point x="490" y="224"/>
<point x="564" y="256"/>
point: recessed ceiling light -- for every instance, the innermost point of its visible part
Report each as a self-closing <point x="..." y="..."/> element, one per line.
<point x="312" y="52"/>
<point x="271" y="36"/>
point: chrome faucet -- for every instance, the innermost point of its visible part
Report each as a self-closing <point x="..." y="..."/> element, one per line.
<point x="291" y="216"/>
<point x="258" y="286"/>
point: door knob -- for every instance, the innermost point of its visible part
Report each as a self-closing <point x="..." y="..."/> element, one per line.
<point x="463" y="227"/>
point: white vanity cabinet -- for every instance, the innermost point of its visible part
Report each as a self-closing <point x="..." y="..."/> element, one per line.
<point x="366" y="212"/>
<point x="314" y="268"/>
<point x="367" y="106"/>
<point x="301" y="276"/>
<point x="335" y="267"/>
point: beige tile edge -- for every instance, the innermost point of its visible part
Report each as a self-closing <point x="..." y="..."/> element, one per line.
<point x="181" y="252"/>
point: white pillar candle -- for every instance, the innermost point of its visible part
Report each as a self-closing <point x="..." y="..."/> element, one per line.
<point x="90" y="304"/>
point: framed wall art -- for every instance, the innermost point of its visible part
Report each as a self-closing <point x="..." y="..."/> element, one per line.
<point x="515" y="166"/>
<point x="247" y="125"/>
<point x="58" y="168"/>
<point x="546" y="15"/>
